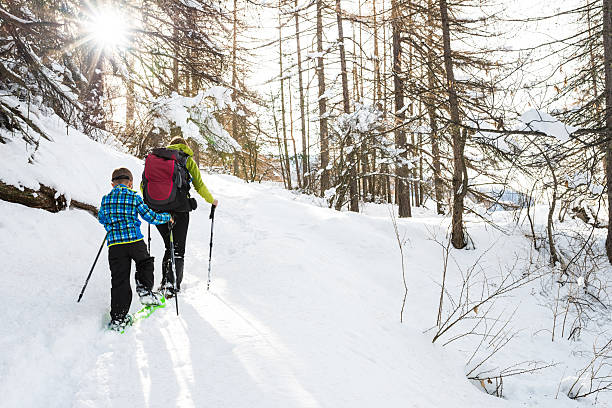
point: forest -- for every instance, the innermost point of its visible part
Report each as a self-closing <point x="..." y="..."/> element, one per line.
<point x="458" y="109"/>
<point x="403" y="102"/>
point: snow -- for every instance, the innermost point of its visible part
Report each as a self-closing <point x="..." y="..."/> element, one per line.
<point x="303" y="311"/>
<point x="300" y="314"/>
<point x="543" y="122"/>
<point x="314" y="55"/>
<point x="72" y="163"/>
<point x="301" y="6"/>
<point x="14" y="18"/>
<point x="273" y="331"/>
<point x="327" y="95"/>
<point x="192" y="4"/>
<point x="196" y="119"/>
<point x="363" y="120"/>
<point x="222" y="97"/>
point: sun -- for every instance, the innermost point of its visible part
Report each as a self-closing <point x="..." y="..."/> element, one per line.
<point x="108" y="28"/>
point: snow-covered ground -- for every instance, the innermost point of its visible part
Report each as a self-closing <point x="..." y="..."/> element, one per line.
<point x="303" y="311"/>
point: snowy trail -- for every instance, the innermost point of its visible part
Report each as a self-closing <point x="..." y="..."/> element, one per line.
<point x="300" y="314"/>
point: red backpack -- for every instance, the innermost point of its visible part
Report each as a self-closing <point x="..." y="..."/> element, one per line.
<point x="165" y="180"/>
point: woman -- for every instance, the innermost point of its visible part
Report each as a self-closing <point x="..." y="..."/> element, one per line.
<point x="181" y="223"/>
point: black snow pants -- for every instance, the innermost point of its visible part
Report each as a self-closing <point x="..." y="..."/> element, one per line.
<point x="120" y="258"/>
<point x="179" y="233"/>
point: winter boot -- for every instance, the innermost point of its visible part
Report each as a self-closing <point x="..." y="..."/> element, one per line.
<point x="168" y="290"/>
<point x="180" y="266"/>
<point x="151" y="298"/>
<point x="119" y="325"/>
<point x="167" y="287"/>
<point x="166" y="273"/>
<point x="142" y="290"/>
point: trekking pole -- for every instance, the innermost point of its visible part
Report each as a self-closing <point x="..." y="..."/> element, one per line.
<point x="149" y="245"/>
<point x="172" y="260"/>
<point x="92" y="268"/>
<point x="212" y="223"/>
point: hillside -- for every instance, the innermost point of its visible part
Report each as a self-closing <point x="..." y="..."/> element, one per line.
<point x="296" y="316"/>
<point x="304" y="308"/>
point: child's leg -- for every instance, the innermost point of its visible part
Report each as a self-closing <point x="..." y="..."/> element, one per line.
<point x="121" y="293"/>
<point x="145" y="264"/>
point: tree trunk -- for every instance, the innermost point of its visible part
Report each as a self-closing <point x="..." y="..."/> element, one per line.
<point x="95" y="90"/>
<point x="325" y="179"/>
<point x="402" y="183"/>
<point x="352" y="156"/>
<point x="234" y="84"/>
<point x="433" y="123"/>
<point x="377" y="81"/>
<point x="282" y="90"/>
<point x="384" y="67"/>
<point x="305" y="158"/>
<point x="421" y="189"/>
<point x="175" y="61"/>
<point x="607" y="41"/>
<point x="130" y="104"/>
<point x="280" y="149"/>
<point x="386" y="178"/>
<point x="459" y="170"/>
<point x="554" y="258"/>
<point x="361" y="76"/>
<point x="295" y="153"/>
<point x="377" y="96"/>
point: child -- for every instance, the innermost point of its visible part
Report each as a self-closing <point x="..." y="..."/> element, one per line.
<point x="119" y="214"/>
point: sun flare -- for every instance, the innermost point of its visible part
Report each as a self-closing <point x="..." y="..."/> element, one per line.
<point x="109" y="28"/>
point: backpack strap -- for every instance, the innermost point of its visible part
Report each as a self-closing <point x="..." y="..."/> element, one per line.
<point x="171" y="154"/>
<point x="167" y="154"/>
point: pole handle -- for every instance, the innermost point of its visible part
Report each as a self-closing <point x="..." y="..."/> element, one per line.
<point x="212" y="212"/>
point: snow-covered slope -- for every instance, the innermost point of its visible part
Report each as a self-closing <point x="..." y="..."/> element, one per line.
<point x="304" y="309"/>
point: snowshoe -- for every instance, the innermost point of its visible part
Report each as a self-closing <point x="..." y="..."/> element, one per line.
<point x="119" y="325"/>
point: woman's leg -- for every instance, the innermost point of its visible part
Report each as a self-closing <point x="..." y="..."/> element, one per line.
<point x="164" y="231"/>
<point x="179" y="232"/>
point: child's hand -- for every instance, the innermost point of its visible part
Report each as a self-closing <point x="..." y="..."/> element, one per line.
<point x="215" y="203"/>
<point x="171" y="220"/>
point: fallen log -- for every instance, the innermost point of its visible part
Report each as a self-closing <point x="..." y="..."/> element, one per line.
<point x="45" y="198"/>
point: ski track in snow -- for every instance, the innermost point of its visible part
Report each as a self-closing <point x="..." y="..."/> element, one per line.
<point x="303" y="312"/>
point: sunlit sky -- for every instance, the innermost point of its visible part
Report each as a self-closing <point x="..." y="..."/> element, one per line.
<point x="108" y="29"/>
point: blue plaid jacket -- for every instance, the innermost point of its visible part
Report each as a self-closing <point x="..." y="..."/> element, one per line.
<point x="119" y="214"/>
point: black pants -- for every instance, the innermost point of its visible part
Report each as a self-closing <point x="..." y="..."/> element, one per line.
<point x="120" y="260"/>
<point x="179" y="234"/>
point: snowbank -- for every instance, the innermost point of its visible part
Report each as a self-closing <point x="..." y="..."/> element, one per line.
<point x="70" y="162"/>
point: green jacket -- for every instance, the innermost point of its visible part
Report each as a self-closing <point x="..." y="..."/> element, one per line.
<point x="196" y="177"/>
